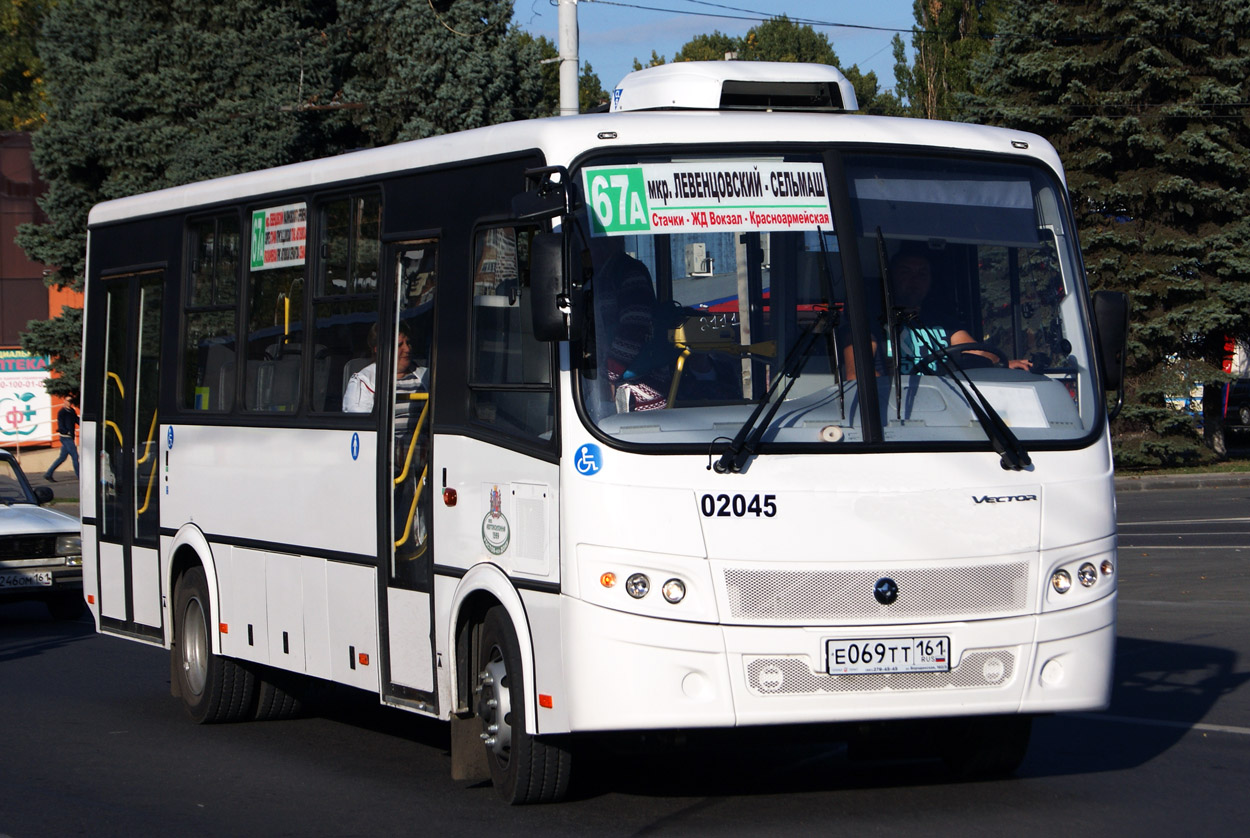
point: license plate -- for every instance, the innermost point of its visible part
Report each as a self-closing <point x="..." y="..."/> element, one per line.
<point x="892" y="654"/>
<point x="39" y="579"/>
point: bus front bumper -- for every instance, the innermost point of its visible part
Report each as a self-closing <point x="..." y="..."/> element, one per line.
<point x="630" y="672"/>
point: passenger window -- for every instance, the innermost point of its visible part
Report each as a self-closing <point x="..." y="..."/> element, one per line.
<point x="275" y="306"/>
<point x="510" y="370"/>
<point x="345" y="302"/>
<point x="210" y="322"/>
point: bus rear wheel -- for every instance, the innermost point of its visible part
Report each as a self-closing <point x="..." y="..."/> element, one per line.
<point x="524" y="768"/>
<point x="213" y="688"/>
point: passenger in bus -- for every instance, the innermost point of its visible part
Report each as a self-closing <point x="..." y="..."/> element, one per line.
<point x="638" y="367"/>
<point x="641" y="360"/>
<point x="410" y="452"/>
<point x="358" y="397"/>
<point x="922" y="332"/>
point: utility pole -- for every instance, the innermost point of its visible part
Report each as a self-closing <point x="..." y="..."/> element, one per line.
<point x="568" y="57"/>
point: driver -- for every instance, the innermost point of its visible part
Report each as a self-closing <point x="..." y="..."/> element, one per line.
<point x="911" y="279"/>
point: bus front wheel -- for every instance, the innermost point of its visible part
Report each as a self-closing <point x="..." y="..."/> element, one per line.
<point x="524" y="768"/>
<point x="213" y="688"/>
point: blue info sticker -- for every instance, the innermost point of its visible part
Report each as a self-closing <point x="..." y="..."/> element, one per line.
<point x="588" y="460"/>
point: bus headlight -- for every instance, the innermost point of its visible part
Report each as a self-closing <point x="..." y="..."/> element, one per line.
<point x="1087" y="574"/>
<point x="638" y="585"/>
<point x="1061" y="581"/>
<point x="674" y="590"/>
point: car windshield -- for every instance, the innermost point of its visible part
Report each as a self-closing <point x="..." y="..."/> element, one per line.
<point x="709" y="272"/>
<point x="13" y="486"/>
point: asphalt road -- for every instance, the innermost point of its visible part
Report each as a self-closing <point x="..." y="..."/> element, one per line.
<point x="91" y="743"/>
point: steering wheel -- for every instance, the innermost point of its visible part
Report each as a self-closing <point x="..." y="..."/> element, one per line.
<point x="973" y="361"/>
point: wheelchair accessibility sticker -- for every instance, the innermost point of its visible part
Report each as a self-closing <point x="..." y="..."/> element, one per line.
<point x="589" y="460"/>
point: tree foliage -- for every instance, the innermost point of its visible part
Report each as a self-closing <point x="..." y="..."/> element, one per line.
<point x="144" y="95"/>
<point x="948" y="37"/>
<point x="21" y="72"/>
<point x="420" y="72"/>
<point x="781" y="39"/>
<point x="590" y="92"/>
<point x="1145" y="101"/>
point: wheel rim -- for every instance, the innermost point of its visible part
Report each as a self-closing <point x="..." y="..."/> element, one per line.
<point x="494" y="706"/>
<point x="194" y="647"/>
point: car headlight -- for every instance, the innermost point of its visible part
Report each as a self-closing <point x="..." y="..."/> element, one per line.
<point x="69" y="545"/>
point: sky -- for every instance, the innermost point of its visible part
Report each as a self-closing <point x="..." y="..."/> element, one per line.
<point x="612" y="33"/>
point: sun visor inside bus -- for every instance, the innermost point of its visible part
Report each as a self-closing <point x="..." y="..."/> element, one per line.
<point x="956" y="210"/>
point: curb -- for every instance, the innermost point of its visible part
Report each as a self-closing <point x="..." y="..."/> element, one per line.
<point x="1181" y="481"/>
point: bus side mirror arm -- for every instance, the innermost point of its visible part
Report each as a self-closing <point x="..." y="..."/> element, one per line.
<point x="1111" y="325"/>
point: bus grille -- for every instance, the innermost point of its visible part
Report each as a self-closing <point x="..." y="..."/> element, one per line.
<point x="944" y="593"/>
<point x="792" y="676"/>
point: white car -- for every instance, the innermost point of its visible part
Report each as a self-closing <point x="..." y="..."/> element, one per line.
<point x="40" y="549"/>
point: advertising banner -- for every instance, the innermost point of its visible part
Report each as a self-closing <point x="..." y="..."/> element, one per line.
<point x="25" y="406"/>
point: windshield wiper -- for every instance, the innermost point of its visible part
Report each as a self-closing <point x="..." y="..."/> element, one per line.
<point x="1012" y="454"/>
<point x="748" y="437"/>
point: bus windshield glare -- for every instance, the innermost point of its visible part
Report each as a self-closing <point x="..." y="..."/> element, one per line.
<point x="711" y="273"/>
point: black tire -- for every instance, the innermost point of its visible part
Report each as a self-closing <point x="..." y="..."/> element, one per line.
<point x="988" y="746"/>
<point x="68" y="605"/>
<point x="213" y="688"/>
<point x="524" y="768"/>
<point x="278" y="694"/>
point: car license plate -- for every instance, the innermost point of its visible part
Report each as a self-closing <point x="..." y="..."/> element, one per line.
<point x="39" y="579"/>
<point x="891" y="654"/>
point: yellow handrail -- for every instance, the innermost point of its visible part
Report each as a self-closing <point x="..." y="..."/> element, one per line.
<point x="412" y="510"/>
<point x="147" y="443"/>
<point x="147" y="496"/>
<point x="416" y="434"/>
<point x="681" y="365"/>
<point x="120" y="389"/>
<point x="110" y="424"/>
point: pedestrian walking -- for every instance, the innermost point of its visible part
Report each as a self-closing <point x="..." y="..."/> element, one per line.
<point x="66" y="421"/>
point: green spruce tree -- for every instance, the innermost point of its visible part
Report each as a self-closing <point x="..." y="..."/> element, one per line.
<point x="21" y="72"/>
<point x="1145" y="101"/>
<point x="419" y="72"/>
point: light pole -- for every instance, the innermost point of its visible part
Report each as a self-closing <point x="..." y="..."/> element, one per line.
<point x="568" y="57"/>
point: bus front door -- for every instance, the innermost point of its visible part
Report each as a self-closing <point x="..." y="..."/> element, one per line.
<point x="128" y="457"/>
<point x="407" y="636"/>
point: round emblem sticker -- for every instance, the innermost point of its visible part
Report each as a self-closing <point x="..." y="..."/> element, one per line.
<point x="495" y="530"/>
<point x="169" y="437"/>
<point x="355" y="446"/>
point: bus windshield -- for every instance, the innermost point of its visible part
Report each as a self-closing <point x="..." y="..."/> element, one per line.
<point x="712" y="274"/>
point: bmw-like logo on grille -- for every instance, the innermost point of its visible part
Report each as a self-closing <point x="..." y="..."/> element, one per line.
<point x="886" y="590"/>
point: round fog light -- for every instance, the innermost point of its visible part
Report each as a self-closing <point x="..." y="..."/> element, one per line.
<point x="674" y="590"/>
<point x="638" y="585"/>
<point x="1061" y="581"/>
<point x="1087" y="575"/>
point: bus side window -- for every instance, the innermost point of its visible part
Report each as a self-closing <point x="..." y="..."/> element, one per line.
<point x="208" y="351"/>
<point x="510" y="369"/>
<point x="345" y="295"/>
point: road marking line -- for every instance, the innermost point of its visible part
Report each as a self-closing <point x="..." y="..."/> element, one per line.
<point x="1132" y="720"/>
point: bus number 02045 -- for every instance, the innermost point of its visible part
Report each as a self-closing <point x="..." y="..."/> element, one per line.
<point x="738" y="506"/>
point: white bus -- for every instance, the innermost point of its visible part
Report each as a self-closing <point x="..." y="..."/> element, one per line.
<point x="560" y="427"/>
